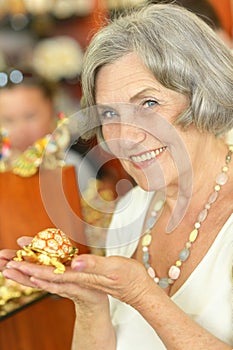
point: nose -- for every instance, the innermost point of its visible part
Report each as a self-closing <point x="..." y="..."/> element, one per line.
<point x="131" y="135"/>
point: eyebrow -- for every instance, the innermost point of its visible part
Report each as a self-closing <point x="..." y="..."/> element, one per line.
<point x="142" y="93"/>
<point x="102" y="106"/>
<point x="135" y="97"/>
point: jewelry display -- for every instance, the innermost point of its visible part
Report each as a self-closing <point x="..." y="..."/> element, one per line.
<point x="14" y="295"/>
<point x="175" y="270"/>
<point x="49" y="150"/>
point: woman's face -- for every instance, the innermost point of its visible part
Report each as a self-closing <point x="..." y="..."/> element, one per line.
<point x="145" y="139"/>
<point x="26" y="114"/>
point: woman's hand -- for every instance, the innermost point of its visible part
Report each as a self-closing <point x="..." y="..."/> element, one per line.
<point x="89" y="278"/>
<point x="8" y="254"/>
<point x="93" y="327"/>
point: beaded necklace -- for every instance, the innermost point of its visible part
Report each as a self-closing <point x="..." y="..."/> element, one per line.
<point x="175" y="270"/>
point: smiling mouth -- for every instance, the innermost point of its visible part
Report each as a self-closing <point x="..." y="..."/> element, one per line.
<point x="148" y="155"/>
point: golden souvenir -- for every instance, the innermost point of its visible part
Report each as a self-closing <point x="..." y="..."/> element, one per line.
<point x="49" y="247"/>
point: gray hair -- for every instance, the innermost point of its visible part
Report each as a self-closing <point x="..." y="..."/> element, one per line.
<point x="183" y="53"/>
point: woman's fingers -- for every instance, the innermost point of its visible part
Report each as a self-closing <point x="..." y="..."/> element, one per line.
<point x="8" y="254"/>
<point x="18" y="277"/>
<point x="5" y="256"/>
<point x="24" y="240"/>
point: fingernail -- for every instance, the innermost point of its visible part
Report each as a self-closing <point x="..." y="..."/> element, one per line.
<point x="79" y="265"/>
<point x="11" y="264"/>
<point x="35" y="282"/>
<point x="5" y="274"/>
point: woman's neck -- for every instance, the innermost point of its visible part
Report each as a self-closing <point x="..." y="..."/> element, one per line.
<point x="207" y="162"/>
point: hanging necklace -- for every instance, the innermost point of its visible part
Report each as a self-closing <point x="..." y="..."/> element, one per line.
<point x="175" y="269"/>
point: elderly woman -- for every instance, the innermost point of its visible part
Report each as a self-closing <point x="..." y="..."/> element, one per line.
<point x="162" y="83"/>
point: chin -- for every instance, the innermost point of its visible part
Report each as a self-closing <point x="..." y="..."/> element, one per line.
<point x="150" y="185"/>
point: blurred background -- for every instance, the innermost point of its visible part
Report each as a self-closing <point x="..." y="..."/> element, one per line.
<point x="50" y="36"/>
<point x="47" y="39"/>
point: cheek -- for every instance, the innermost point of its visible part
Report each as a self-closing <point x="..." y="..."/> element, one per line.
<point x="111" y="136"/>
<point x="111" y="133"/>
<point x="108" y="130"/>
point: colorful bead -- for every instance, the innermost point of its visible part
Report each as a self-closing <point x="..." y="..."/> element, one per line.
<point x="151" y="272"/>
<point x="184" y="254"/>
<point x="145" y="257"/>
<point x="197" y="225"/>
<point x="213" y="197"/>
<point x="146" y="240"/>
<point x="225" y="169"/>
<point x="193" y="235"/>
<point x="202" y="216"/>
<point x="150" y="222"/>
<point x="158" y="205"/>
<point x="174" y="272"/>
<point x="221" y="179"/>
<point x="145" y="249"/>
<point x="163" y="283"/>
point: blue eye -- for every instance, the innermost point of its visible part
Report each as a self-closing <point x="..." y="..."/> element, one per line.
<point x="107" y="114"/>
<point x="150" y="103"/>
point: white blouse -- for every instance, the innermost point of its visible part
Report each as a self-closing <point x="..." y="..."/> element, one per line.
<point x="206" y="296"/>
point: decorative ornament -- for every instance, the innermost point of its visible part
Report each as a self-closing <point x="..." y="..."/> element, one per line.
<point x="48" y="151"/>
<point x="4" y="149"/>
<point x="68" y="8"/>
<point x="94" y="200"/>
<point x="175" y="270"/>
<point x="58" y="58"/>
<point x="13" y="295"/>
<point x="49" y="247"/>
<point x="122" y="4"/>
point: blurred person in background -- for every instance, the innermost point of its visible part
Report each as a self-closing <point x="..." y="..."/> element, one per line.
<point x="28" y="113"/>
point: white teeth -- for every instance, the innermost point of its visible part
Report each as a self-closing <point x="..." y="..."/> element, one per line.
<point x="153" y="154"/>
<point x="147" y="155"/>
<point x="144" y="156"/>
